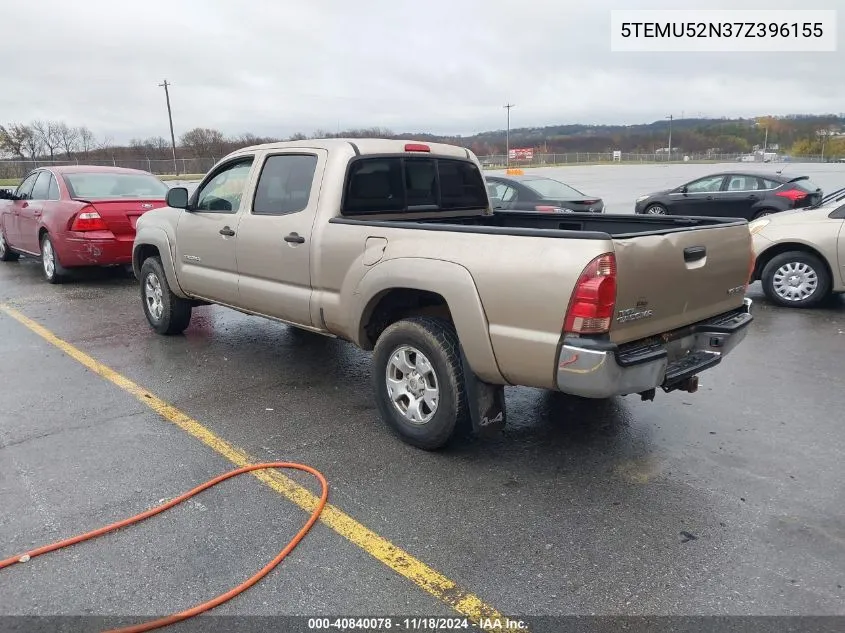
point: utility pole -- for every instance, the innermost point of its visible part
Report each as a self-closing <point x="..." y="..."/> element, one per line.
<point x="670" y="138"/>
<point x="170" y="118"/>
<point x="508" y="135"/>
<point x="766" y="143"/>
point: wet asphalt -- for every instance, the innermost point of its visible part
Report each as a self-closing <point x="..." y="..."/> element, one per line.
<point x="726" y="501"/>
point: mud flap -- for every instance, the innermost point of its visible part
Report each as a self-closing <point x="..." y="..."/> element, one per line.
<point x="486" y="403"/>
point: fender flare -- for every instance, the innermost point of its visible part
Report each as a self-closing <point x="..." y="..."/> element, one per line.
<point x="157" y="237"/>
<point x="451" y="281"/>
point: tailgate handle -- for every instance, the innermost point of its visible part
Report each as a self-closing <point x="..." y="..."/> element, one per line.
<point x="694" y="253"/>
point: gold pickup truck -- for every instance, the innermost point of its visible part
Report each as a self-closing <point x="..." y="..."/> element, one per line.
<point x="394" y="246"/>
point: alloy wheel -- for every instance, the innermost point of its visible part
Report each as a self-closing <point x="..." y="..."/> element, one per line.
<point x="412" y="385"/>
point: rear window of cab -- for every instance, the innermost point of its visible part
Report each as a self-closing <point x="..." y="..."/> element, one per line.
<point x="397" y="184"/>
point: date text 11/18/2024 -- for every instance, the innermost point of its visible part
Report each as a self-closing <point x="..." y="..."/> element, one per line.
<point x="416" y="624"/>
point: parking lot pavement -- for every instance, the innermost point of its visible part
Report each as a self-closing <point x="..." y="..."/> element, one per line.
<point x="619" y="185"/>
<point x="727" y="501"/>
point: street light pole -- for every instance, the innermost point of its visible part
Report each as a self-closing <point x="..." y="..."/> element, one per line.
<point x="170" y="118"/>
<point x="670" y="138"/>
<point x="508" y="136"/>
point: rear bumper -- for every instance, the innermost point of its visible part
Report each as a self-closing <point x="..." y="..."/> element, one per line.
<point x="596" y="369"/>
<point x="95" y="250"/>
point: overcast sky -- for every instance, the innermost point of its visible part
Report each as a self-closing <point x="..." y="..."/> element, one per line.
<point x="277" y="67"/>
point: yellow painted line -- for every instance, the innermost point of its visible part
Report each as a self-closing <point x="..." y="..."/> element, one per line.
<point x="378" y="547"/>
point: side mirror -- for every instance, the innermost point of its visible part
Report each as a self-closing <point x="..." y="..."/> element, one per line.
<point x="177" y="197"/>
<point x="682" y="189"/>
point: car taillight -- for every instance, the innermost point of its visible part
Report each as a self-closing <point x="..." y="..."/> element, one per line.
<point x="588" y="202"/>
<point x="88" y="220"/>
<point x="544" y="208"/>
<point x="594" y="298"/>
<point x="792" y="194"/>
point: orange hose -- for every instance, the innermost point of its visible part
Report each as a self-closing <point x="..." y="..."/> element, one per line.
<point x="205" y="606"/>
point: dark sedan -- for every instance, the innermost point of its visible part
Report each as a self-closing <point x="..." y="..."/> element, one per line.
<point x="735" y="194"/>
<point x="539" y="195"/>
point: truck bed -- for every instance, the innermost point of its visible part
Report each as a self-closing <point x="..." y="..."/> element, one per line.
<point x="559" y="225"/>
<point x="671" y="270"/>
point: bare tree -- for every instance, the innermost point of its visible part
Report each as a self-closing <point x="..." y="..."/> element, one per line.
<point x="86" y="140"/>
<point x="48" y="131"/>
<point x="31" y="142"/>
<point x="68" y="138"/>
<point x="204" y="142"/>
<point x="13" y="139"/>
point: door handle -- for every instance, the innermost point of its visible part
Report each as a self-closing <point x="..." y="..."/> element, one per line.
<point x="752" y="197"/>
<point x="227" y="231"/>
<point x="709" y="198"/>
<point x="295" y="238"/>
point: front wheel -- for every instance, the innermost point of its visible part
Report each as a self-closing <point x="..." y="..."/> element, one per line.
<point x="419" y="382"/>
<point x="655" y="209"/>
<point x="795" y="280"/>
<point x="166" y="313"/>
<point x="6" y="254"/>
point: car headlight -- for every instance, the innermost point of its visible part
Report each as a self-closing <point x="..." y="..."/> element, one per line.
<point x="641" y="198"/>
<point x="758" y="225"/>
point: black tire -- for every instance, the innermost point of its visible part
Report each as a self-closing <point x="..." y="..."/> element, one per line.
<point x="175" y="313"/>
<point x="51" y="267"/>
<point x="437" y="340"/>
<point x="655" y="209"/>
<point x="6" y="253"/>
<point x="772" y="273"/>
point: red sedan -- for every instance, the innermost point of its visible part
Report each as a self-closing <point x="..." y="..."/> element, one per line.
<point x="77" y="216"/>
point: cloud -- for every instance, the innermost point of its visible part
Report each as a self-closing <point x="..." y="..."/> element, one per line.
<point x="444" y="66"/>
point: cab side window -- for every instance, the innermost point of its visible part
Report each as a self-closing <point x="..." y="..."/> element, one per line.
<point x="223" y="193"/>
<point x="42" y="186"/>
<point x="284" y="185"/>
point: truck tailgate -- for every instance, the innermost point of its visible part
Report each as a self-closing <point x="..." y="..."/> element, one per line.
<point x="670" y="280"/>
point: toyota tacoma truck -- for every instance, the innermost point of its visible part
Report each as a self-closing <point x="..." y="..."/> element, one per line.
<point x="394" y="246"/>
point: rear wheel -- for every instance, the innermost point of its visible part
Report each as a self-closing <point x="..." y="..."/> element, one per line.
<point x="52" y="268"/>
<point x="166" y="313"/>
<point x="419" y="382"/>
<point x="796" y="280"/>
<point x="6" y="255"/>
<point x="763" y="213"/>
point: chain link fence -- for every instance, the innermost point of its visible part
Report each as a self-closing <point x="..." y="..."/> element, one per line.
<point x="17" y="169"/>
<point x="574" y="158"/>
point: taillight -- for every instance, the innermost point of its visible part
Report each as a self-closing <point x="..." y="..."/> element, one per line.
<point x="416" y="147"/>
<point x="792" y="194"/>
<point x="88" y="220"/>
<point x="594" y="298"/>
<point x="543" y="208"/>
<point x="588" y="202"/>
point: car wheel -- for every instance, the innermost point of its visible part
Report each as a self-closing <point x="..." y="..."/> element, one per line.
<point x="419" y="382"/>
<point x="6" y="254"/>
<point x="166" y="313"/>
<point x="796" y="280"/>
<point x="762" y="214"/>
<point x="655" y="209"/>
<point x="53" y="271"/>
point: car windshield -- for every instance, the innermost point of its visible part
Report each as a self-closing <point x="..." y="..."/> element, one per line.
<point x="552" y="189"/>
<point x="104" y="185"/>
